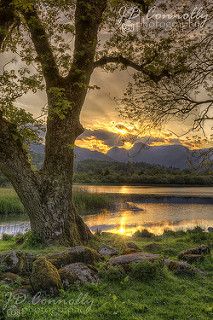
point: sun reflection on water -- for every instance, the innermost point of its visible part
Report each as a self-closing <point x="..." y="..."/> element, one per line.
<point x="154" y="217"/>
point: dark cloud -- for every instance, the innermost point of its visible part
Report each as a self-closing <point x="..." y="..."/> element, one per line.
<point x="112" y="139"/>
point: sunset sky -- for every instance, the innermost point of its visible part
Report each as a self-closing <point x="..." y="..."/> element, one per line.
<point x="104" y="126"/>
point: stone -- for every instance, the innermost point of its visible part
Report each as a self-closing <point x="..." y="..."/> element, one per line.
<point x="105" y="250"/>
<point x="10" y="277"/>
<point x="190" y="258"/>
<point x="45" y="277"/>
<point x="74" y="254"/>
<point x="17" y="262"/>
<point x="77" y="273"/>
<point x="132" y="245"/>
<point x="181" y="267"/>
<point x="24" y="291"/>
<point x="201" y="250"/>
<point x="152" y="247"/>
<point x="133" y="257"/>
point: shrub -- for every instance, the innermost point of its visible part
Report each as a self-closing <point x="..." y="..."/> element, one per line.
<point x="146" y="270"/>
<point x="171" y="233"/>
<point x="112" y="273"/>
<point x="7" y="237"/>
<point x="143" y="234"/>
<point x="19" y="238"/>
<point x="32" y="240"/>
<point x="198" y="235"/>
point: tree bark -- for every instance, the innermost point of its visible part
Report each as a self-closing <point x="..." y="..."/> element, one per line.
<point x="47" y="199"/>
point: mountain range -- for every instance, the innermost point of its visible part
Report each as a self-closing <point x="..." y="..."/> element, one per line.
<point x="176" y="156"/>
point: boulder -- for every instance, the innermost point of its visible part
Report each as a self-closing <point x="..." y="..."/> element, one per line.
<point x="45" y="277"/>
<point x="133" y="257"/>
<point x="152" y="247"/>
<point x="74" y="254"/>
<point x="77" y="273"/>
<point x="203" y="249"/>
<point x="181" y="267"/>
<point x="190" y="258"/>
<point x="105" y="250"/>
<point x="17" y="262"/>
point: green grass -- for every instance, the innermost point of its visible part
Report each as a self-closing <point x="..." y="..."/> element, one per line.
<point x="85" y="202"/>
<point x="10" y="203"/>
<point x="170" y="299"/>
<point x="166" y="297"/>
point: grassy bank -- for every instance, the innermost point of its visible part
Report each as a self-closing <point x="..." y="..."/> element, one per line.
<point x="163" y="297"/>
<point x="85" y="202"/>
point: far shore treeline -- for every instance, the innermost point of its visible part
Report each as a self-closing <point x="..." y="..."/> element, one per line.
<point x="105" y="172"/>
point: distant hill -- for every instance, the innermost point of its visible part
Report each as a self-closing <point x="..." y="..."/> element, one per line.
<point x="175" y="156"/>
<point x="82" y="154"/>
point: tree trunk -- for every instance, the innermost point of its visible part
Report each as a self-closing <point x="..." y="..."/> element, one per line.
<point x="47" y="195"/>
<point x="47" y="198"/>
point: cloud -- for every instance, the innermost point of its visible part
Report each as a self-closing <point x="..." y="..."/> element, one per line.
<point x="103" y="140"/>
<point x="110" y="139"/>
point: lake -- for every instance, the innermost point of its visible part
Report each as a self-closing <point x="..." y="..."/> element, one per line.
<point x="153" y="208"/>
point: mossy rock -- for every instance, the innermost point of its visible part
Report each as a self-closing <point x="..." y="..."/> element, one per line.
<point x="75" y="254"/>
<point x="78" y="273"/>
<point x="16" y="262"/>
<point x="181" y="268"/>
<point x="45" y="277"/>
<point x="153" y="247"/>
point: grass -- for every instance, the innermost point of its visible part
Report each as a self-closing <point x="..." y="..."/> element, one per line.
<point x="85" y="202"/>
<point x="167" y="297"/>
<point x="10" y="203"/>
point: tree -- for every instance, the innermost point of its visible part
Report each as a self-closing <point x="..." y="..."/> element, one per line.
<point x="187" y="91"/>
<point x="40" y="31"/>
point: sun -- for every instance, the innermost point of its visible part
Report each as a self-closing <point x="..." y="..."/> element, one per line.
<point x="121" y="230"/>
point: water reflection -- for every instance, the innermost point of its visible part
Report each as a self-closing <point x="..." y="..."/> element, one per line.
<point x="148" y="190"/>
<point x="154" y="217"/>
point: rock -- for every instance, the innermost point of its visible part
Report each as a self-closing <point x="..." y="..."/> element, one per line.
<point x="77" y="272"/>
<point x="16" y="262"/>
<point x="192" y="257"/>
<point x="152" y="247"/>
<point x="203" y="249"/>
<point x="10" y="277"/>
<point x="45" y="277"/>
<point x="181" y="267"/>
<point x="24" y="291"/>
<point x="10" y="261"/>
<point x="74" y="254"/>
<point x="210" y="229"/>
<point x="132" y="245"/>
<point x="131" y="206"/>
<point x="105" y="250"/>
<point x="133" y="257"/>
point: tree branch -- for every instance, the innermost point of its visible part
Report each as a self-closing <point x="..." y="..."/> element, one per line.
<point x="6" y="18"/>
<point x="129" y="63"/>
<point x="144" y="6"/>
<point x="42" y="47"/>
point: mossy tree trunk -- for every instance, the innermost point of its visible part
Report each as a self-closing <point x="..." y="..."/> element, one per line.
<point x="47" y="194"/>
